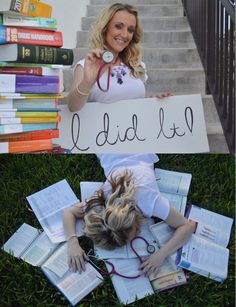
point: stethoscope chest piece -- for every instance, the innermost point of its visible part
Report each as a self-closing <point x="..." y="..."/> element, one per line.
<point x="107" y="57"/>
<point x="151" y="249"/>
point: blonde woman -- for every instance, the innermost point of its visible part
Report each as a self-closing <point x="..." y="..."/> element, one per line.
<point x="114" y="214"/>
<point x="117" y="30"/>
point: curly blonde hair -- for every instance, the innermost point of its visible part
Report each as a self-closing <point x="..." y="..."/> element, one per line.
<point x="109" y="220"/>
<point x="131" y="55"/>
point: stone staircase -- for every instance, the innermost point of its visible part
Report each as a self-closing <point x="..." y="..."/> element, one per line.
<point x="169" y="52"/>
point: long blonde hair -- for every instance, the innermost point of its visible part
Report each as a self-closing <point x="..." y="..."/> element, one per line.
<point x="131" y="55"/>
<point x="109" y="220"/>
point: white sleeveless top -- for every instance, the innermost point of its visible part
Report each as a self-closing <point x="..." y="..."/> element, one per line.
<point x="122" y="85"/>
<point x="147" y="193"/>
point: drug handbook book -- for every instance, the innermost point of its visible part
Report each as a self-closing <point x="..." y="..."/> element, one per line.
<point x="206" y="252"/>
<point x="34" y="247"/>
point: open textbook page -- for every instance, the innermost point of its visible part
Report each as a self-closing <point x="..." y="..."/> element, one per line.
<point x="211" y="226"/>
<point x="74" y="286"/>
<point x="129" y="290"/>
<point x="177" y="201"/>
<point x="21" y="240"/>
<point x="205" y="258"/>
<point x="173" y="182"/>
<point x="126" y="251"/>
<point x="49" y="205"/>
<point x="87" y="189"/>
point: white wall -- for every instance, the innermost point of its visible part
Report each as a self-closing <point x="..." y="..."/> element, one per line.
<point x="68" y="14"/>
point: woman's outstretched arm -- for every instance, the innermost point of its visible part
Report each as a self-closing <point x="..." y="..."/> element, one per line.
<point x="183" y="231"/>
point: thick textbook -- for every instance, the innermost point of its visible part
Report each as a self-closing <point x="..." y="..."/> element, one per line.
<point x="10" y="35"/>
<point x="25" y="146"/>
<point x="15" y="128"/>
<point x="11" y="83"/>
<point x="28" y="22"/>
<point x="28" y="136"/>
<point x="206" y="253"/>
<point x="26" y="7"/>
<point x="49" y="205"/>
<point x="29" y="120"/>
<point x="34" y="247"/>
<point x="26" y="104"/>
<point x="26" y="53"/>
<point x="28" y="114"/>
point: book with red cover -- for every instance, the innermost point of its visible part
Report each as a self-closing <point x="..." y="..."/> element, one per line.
<point x="33" y="135"/>
<point x="29" y="84"/>
<point x="21" y="35"/>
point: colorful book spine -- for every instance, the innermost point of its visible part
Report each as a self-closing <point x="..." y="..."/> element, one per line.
<point x="25" y="146"/>
<point x="29" y="84"/>
<point x="18" y="114"/>
<point x="32" y="135"/>
<point x="6" y="129"/>
<point x="29" y="104"/>
<point x="28" y="22"/>
<point x="29" y="120"/>
<point x="31" y="7"/>
<point x="30" y="36"/>
<point x="29" y="70"/>
<point x="26" y="53"/>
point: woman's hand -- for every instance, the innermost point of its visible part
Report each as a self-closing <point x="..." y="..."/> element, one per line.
<point x="163" y="95"/>
<point x="76" y="255"/>
<point x="153" y="263"/>
<point x="92" y="64"/>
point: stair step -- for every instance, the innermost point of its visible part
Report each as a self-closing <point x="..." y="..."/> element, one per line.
<point x="160" y="57"/>
<point x="176" y="81"/>
<point x="135" y="2"/>
<point x="144" y="10"/>
<point x="149" y="23"/>
<point x="155" y="39"/>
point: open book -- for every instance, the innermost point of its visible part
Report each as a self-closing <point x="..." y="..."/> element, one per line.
<point x="126" y="263"/>
<point x="174" y="186"/>
<point x="206" y="253"/>
<point x="49" y="205"/>
<point x="34" y="247"/>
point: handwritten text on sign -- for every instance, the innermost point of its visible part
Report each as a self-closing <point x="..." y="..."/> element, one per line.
<point x="172" y="125"/>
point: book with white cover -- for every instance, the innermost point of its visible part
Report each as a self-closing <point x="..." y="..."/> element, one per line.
<point x="49" y="205"/>
<point x="34" y="247"/>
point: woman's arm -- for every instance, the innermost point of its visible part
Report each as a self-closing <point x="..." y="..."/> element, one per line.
<point x="183" y="231"/>
<point x="76" y="255"/>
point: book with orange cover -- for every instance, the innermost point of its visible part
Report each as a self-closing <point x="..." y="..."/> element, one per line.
<point x="22" y="35"/>
<point x="33" y="135"/>
<point x="25" y="146"/>
<point x="27" y="7"/>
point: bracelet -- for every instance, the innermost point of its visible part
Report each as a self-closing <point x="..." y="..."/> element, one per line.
<point x="82" y="93"/>
<point x="74" y="235"/>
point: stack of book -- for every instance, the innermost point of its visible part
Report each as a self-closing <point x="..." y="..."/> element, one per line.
<point x="31" y="76"/>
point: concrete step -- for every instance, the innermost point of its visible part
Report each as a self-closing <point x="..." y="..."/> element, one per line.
<point x="215" y="135"/>
<point x="154" y="39"/>
<point x="160" y="57"/>
<point x="149" y="23"/>
<point x="149" y="10"/>
<point x="135" y="2"/>
<point x="176" y="80"/>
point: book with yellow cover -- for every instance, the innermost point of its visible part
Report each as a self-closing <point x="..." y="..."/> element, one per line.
<point x="15" y="114"/>
<point x="27" y="7"/>
<point x="29" y="120"/>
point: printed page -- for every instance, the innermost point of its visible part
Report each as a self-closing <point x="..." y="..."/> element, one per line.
<point x="49" y="205"/>
<point x="58" y="263"/>
<point x="129" y="290"/>
<point x="173" y="182"/>
<point x="39" y="250"/>
<point x="177" y="201"/>
<point x="21" y="240"/>
<point x="162" y="232"/>
<point x="205" y="258"/>
<point x="211" y="226"/>
<point x="168" y="267"/>
<point x="75" y="286"/>
<point x="88" y="189"/>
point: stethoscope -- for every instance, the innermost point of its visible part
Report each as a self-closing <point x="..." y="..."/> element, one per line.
<point x="150" y="249"/>
<point x="107" y="58"/>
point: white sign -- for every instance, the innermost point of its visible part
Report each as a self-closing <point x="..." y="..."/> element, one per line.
<point x="172" y="125"/>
